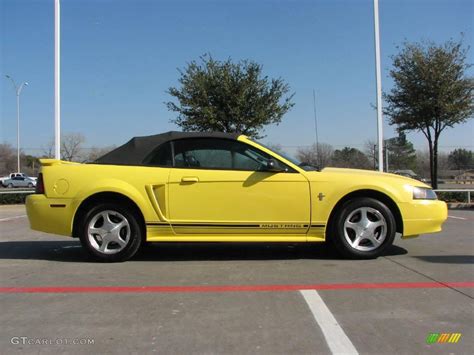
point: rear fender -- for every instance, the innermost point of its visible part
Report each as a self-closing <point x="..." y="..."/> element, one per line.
<point x="119" y="187"/>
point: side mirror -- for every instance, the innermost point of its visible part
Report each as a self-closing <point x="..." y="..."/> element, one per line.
<point x="316" y="167"/>
<point x="272" y="166"/>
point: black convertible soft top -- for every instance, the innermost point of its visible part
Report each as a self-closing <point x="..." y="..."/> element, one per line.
<point x="137" y="149"/>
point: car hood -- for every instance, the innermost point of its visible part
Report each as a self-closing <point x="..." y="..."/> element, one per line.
<point x="360" y="173"/>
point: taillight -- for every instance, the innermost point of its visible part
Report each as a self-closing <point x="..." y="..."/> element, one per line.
<point x="39" y="185"/>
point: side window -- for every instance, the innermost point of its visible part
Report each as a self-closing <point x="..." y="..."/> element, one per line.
<point x="161" y="156"/>
<point x="203" y="153"/>
<point x="244" y="162"/>
<point x="248" y="158"/>
<point x="208" y="153"/>
<point x="210" y="158"/>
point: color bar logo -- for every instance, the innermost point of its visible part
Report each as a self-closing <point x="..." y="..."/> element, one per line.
<point x="452" y="338"/>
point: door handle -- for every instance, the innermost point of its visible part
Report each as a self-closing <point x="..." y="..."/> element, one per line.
<point x="189" y="179"/>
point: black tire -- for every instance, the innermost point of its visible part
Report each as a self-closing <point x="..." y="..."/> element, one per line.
<point x="10" y="186"/>
<point x="351" y="208"/>
<point x="30" y="185"/>
<point x="133" y="231"/>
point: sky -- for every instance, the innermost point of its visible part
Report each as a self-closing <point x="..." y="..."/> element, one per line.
<point x="119" y="57"/>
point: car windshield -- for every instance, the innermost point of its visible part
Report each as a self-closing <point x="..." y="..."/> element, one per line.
<point x="303" y="165"/>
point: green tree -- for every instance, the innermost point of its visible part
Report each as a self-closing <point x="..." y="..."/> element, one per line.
<point x="460" y="159"/>
<point x="431" y="92"/>
<point x="401" y="154"/>
<point x="228" y="97"/>
<point x="350" y="158"/>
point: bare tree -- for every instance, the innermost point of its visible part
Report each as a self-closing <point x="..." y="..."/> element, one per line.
<point x="370" y="150"/>
<point x="277" y="148"/>
<point x="71" y="146"/>
<point x="95" y="152"/>
<point x="7" y="158"/>
<point x="72" y="149"/>
<point x="325" y="152"/>
<point x="319" y="155"/>
<point x="48" y="149"/>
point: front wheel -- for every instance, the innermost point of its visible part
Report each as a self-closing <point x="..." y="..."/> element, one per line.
<point x="110" y="232"/>
<point x="363" y="228"/>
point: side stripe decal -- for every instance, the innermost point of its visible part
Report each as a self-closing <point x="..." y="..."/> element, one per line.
<point x="223" y="225"/>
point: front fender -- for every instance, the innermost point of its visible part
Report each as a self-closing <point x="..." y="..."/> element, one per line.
<point x="334" y="192"/>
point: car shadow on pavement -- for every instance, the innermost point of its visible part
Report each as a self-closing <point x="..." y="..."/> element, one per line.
<point x="447" y="259"/>
<point x="71" y="251"/>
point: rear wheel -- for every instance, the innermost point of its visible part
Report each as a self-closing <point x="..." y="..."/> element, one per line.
<point x="363" y="228"/>
<point x="30" y="185"/>
<point x="10" y="185"/>
<point x="110" y="232"/>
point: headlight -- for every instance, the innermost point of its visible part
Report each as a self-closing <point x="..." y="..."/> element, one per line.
<point x="422" y="193"/>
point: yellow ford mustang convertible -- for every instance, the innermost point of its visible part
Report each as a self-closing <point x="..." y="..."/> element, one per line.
<point x="218" y="187"/>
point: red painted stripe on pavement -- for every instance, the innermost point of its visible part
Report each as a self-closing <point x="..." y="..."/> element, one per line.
<point x="230" y="288"/>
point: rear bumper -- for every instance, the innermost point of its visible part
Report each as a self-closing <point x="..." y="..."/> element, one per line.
<point x="50" y="215"/>
<point x="423" y="217"/>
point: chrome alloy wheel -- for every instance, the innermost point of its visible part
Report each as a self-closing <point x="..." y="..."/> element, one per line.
<point x="109" y="232"/>
<point x="365" y="229"/>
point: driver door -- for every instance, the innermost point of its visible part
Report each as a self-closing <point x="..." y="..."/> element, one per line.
<point x="220" y="186"/>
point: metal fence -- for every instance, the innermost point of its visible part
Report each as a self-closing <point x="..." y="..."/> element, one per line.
<point x="15" y="191"/>
<point x="468" y="191"/>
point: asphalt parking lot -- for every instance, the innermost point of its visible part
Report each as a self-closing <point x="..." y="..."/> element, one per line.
<point x="235" y="298"/>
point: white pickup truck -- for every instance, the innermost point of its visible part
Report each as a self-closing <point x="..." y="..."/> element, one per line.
<point x="12" y="175"/>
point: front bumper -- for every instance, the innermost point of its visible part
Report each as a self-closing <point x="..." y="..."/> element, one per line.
<point x="50" y="215"/>
<point x="423" y="217"/>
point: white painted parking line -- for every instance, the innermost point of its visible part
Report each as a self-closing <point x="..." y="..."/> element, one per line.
<point x="457" y="217"/>
<point x="335" y="337"/>
<point x="12" y="218"/>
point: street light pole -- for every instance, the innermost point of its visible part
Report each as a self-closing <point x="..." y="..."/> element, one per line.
<point x="316" y="129"/>
<point x="57" y="88"/>
<point x="379" y="84"/>
<point x="17" y="92"/>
